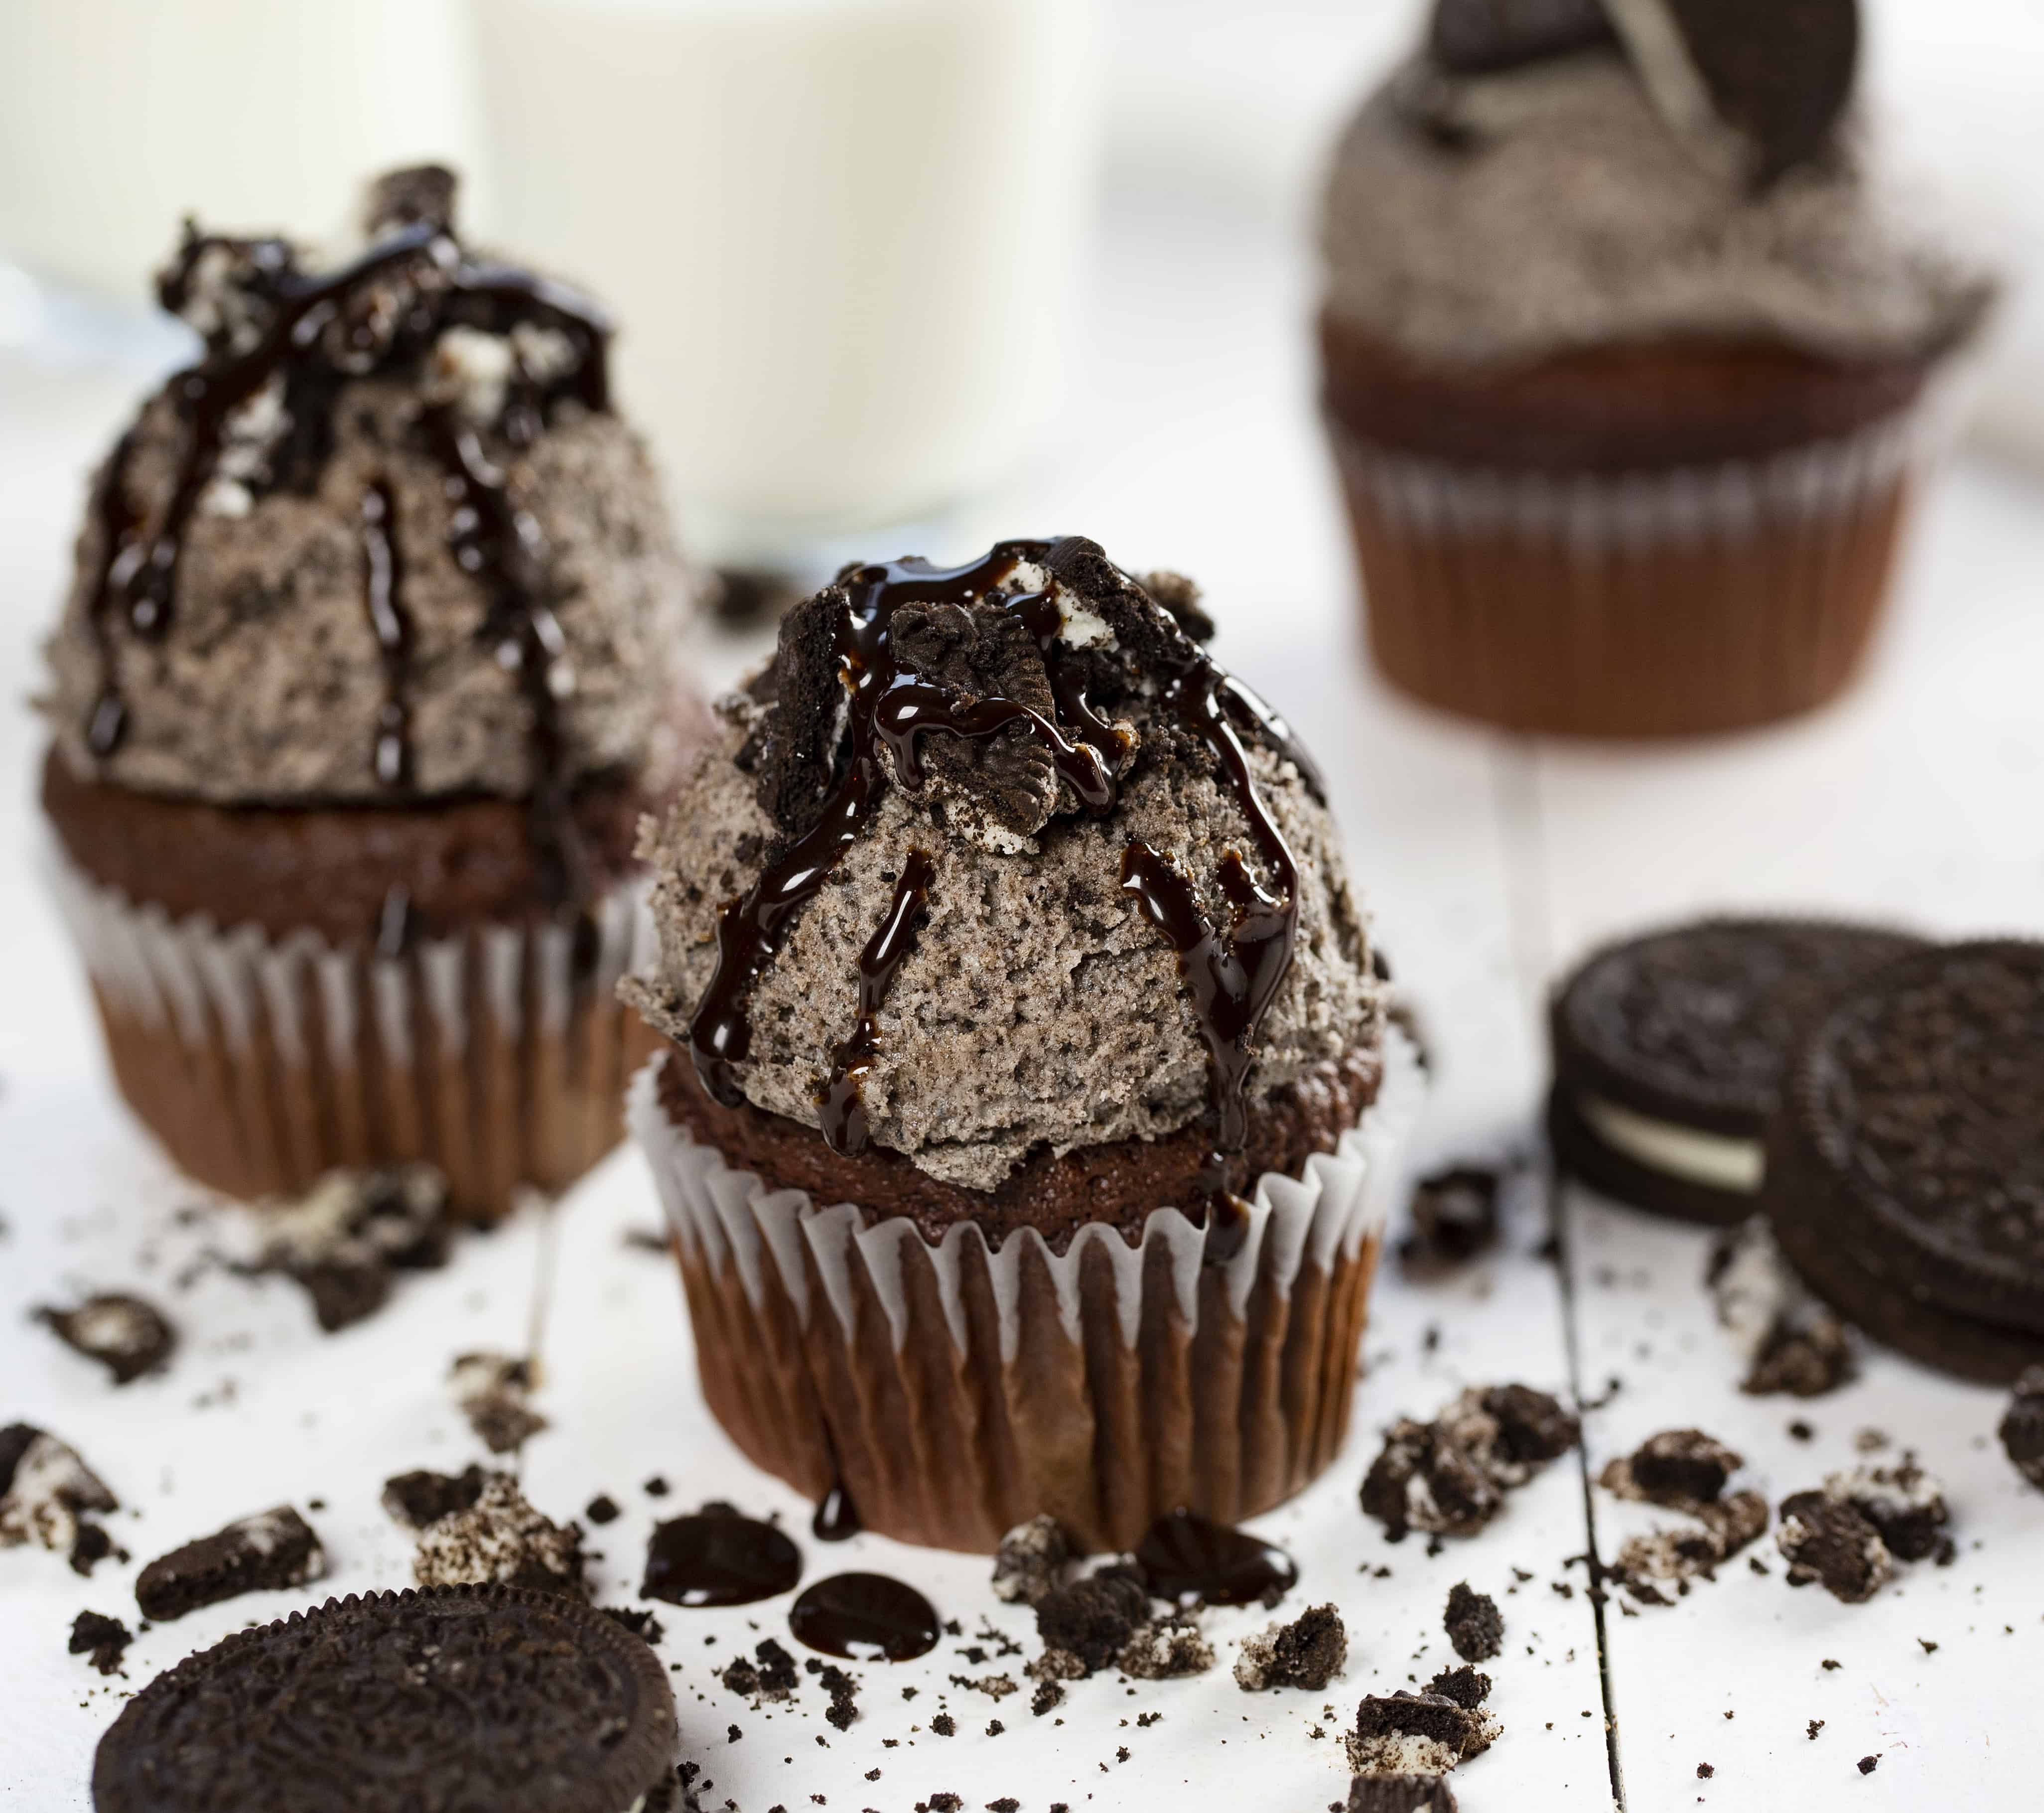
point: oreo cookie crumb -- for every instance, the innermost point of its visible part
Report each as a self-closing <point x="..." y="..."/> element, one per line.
<point x="500" y="1537"/>
<point x="1869" y="1764"/>
<point x="1905" y="1503"/>
<point x="2022" y="1427"/>
<point x="1048" y="1696"/>
<point x="1677" y="1469"/>
<point x="641" y="1624"/>
<point x="1791" y="1342"/>
<point x="1397" y="1793"/>
<point x="105" y="1639"/>
<point x="1449" y="1476"/>
<point x="1091" y="1619"/>
<point x="1422" y="1734"/>
<point x="1308" y="1653"/>
<point x="771" y="1676"/>
<point x="1166" y="1650"/>
<point x="423" y="1497"/>
<point x="47" y="1495"/>
<point x="1705" y="1772"/>
<point x="1467" y="1687"/>
<point x="1684" y="1470"/>
<point x="491" y="1389"/>
<point x="1455" y="1217"/>
<point x="268" y="1552"/>
<point x="344" y="1238"/>
<point x="1827" y="1541"/>
<point x="601" y="1509"/>
<point x="996" y="1686"/>
<point x="944" y="1725"/>
<point x="1032" y="1560"/>
<point x="125" y="1334"/>
<point x="1474" y="1625"/>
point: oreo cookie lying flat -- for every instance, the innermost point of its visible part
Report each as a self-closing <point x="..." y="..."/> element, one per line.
<point x="1669" y="1049"/>
<point x="438" y="1701"/>
<point x="1907" y="1170"/>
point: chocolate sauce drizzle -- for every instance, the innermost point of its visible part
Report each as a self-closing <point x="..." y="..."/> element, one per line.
<point x="842" y="1106"/>
<point x="1184" y="1557"/>
<point x="495" y="542"/>
<point x="383" y="595"/>
<point x="864" y="1618"/>
<point x="836" y="1519"/>
<point x="717" y="1557"/>
<point x="1232" y="973"/>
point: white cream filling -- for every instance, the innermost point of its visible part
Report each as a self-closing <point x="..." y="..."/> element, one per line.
<point x="1716" y="1160"/>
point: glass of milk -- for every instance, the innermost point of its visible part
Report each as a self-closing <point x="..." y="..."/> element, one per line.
<point x="840" y="236"/>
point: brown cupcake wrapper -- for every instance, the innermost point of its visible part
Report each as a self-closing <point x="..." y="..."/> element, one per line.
<point x="1647" y="604"/>
<point x="955" y="1390"/>
<point x="261" y="1063"/>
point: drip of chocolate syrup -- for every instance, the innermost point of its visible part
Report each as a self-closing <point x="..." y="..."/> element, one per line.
<point x="713" y="1558"/>
<point x="1184" y="1557"/>
<point x="836" y="1520"/>
<point x="864" y="1618"/>
<point x="492" y="540"/>
<point x="842" y="1106"/>
<point x="1232" y="974"/>
<point x="383" y="593"/>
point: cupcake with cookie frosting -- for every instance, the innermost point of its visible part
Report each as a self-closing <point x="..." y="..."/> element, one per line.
<point x="1032" y="1111"/>
<point x="372" y="658"/>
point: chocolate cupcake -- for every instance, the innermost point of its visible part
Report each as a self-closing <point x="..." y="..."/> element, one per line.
<point x="1036" y="1113"/>
<point x="368" y="668"/>
<point x="1629" y="359"/>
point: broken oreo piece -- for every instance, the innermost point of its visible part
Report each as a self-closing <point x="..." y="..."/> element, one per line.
<point x="1906" y="1505"/>
<point x="1091" y="1619"/>
<point x="1455" y="1217"/>
<point x="267" y="1552"/>
<point x="123" y="1334"/>
<point x="1825" y="1540"/>
<point x="105" y="1639"/>
<point x="1670" y="1050"/>
<point x="418" y="1499"/>
<point x="1474" y="1625"/>
<point x="1475" y="37"/>
<point x="1308" y="1653"/>
<point x="1679" y="1467"/>
<point x="1416" y="1734"/>
<point x="1467" y="1687"/>
<point x="1032" y="1560"/>
<point x="1400" y="1794"/>
<point x="1789" y="1339"/>
<point x="500" y="1539"/>
<point x="343" y="1238"/>
<point x="492" y="1389"/>
<point x="561" y="1712"/>
<point x="2022" y="1428"/>
<point x="47" y="1495"/>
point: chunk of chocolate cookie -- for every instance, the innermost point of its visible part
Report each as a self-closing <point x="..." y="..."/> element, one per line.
<point x="1400" y="1794"/>
<point x="345" y="1237"/>
<point x="1669" y="1051"/>
<point x="266" y="1553"/>
<point x="1090" y="1620"/>
<point x="1828" y="1541"/>
<point x="47" y="1496"/>
<point x="1907" y="1181"/>
<point x="418" y="1499"/>
<point x="125" y="1334"/>
<point x="1449" y="1476"/>
<point x="501" y="1539"/>
<point x="1416" y="1734"/>
<point x="1308" y="1653"/>
<point x="1032" y="1560"/>
<point x="560" y="1712"/>
<point x="1455" y="1217"/>
<point x="1789" y="1339"/>
<point x="2022" y="1428"/>
<point x="1905" y="1503"/>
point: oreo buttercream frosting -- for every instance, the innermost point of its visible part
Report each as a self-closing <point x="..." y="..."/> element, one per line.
<point x="1117" y="902"/>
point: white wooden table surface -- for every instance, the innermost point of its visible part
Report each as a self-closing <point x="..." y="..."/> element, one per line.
<point x="1489" y="861"/>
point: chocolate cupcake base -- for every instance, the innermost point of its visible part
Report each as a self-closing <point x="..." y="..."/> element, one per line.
<point x="1656" y="604"/>
<point x="955" y="1389"/>
<point x="498" y="1053"/>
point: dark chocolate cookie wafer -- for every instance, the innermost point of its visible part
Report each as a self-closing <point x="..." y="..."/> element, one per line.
<point x="1474" y="37"/>
<point x="437" y="1702"/>
<point x="1669" y="1049"/>
<point x="1907" y="1171"/>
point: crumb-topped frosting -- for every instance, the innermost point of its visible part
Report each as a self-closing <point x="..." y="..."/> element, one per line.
<point x="385" y="540"/>
<point x="1475" y="219"/>
<point x="996" y="860"/>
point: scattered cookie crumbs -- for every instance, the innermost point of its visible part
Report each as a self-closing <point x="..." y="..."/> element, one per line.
<point x="500" y="1537"/>
<point x="1048" y="1696"/>
<point x="1790" y="1341"/>
<point x="994" y="1727"/>
<point x="491" y="1390"/>
<point x="1928" y="1647"/>
<point x="1032" y="1560"/>
<point x="271" y="1550"/>
<point x="1474" y="1625"/>
<point x="1705" y="1772"/>
<point x="1308" y="1653"/>
<point x="1683" y="1470"/>
<point x="1816" y="1725"/>
<point x="656" y="1487"/>
<point x="771" y="1676"/>
<point x="601" y="1509"/>
<point x="104" y="1639"/>
<point x="125" y="1334"/>
<point x="47" y="1496"/>
<point x="1166" y="1650"/>
<point x="1455" y="1217"/>
<point x="944" y="1725"/>
<point x="1869" y="1764"/>
<point x="1830" y="1542"/>
<point x="342" y="1240"/>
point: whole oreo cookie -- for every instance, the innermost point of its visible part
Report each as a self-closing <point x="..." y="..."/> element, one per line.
<point x="1473" y="37"/>
<point x="1780" y="72"/>
<point x="1670" y="1050"/>
<point x="1906" y="1169"/>
<point x="435" y="1702"/>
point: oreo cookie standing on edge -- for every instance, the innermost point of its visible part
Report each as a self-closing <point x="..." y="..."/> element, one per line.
<point x="1669" y="1049"/>
<point x="1907" y="1169"/>
<point x="432" y="1701"/>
